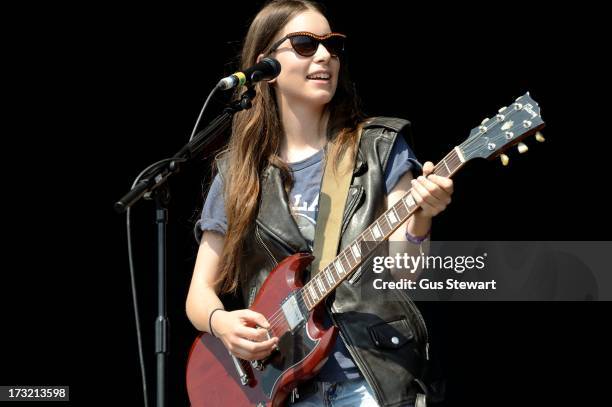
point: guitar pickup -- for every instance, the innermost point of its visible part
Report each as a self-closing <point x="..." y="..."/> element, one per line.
<point x="292" y="311"/>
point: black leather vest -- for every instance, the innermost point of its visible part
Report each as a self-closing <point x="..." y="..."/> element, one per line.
<point x="386" y="336"/>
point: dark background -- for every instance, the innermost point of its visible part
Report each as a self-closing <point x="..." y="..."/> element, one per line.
<point x="102" y="92"/>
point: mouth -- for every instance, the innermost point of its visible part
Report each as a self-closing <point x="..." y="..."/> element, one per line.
<point x="319" y="76"/>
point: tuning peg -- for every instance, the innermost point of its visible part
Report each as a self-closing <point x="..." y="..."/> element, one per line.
<point x="522" y="148"/>
<point x="539" y="137"/>
<point x="504" y="159"/>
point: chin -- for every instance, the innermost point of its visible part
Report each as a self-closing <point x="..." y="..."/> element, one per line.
<point x="321" y="98"/>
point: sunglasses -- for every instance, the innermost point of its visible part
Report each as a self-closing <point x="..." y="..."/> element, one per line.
<point x="306" y="44"/>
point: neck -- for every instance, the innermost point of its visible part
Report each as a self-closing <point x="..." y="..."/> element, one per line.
<point x="305" y="129"/>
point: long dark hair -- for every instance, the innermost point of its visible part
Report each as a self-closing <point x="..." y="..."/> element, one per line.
<point x="248" y="159"/>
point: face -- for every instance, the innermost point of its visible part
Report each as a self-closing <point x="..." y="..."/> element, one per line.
<point x="296" y="81"/>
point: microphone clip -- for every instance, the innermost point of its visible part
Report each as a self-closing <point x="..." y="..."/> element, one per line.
<point x="244" y="102"/>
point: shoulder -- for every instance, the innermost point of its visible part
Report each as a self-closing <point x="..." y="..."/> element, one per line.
<point x="221" y="164"/>
<point x="384" y="129"/>
<point x="379" y="135"/>
<point x="392" y="124"/>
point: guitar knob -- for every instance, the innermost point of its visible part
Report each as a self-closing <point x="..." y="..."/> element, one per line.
<point x="522" y="148"/>
<point x="504" y="159"/>
<point x="539" y="137"/>
<point x="257" y="364"/>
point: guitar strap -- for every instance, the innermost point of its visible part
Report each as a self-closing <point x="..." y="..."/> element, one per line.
<point x="332" y="200"/>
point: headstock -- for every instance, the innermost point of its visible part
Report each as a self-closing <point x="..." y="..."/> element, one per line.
<point x="507" y="128"/>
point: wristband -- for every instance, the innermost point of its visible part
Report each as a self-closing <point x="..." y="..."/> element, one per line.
<point x="210" y="319"/>
<point x="417" y="239"/>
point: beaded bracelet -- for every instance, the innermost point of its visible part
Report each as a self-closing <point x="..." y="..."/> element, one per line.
<point x="210" y="318"/>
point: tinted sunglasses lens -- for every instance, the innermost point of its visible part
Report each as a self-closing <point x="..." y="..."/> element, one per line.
<point x="304" y="45"/>
<point x="335" y="45"/>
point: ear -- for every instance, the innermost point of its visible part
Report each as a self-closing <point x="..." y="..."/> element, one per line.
<point x="259" y="58"/>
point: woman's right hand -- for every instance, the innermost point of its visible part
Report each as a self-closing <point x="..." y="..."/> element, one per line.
<point x="237" y="330"/>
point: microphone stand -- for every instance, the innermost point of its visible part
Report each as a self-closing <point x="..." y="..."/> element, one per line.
<point x="153" y="186"/>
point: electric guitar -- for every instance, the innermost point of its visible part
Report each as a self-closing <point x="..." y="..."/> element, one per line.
<point x="295" y="310"/>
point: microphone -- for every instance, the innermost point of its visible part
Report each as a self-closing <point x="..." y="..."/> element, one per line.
<point x="267" y="69"/>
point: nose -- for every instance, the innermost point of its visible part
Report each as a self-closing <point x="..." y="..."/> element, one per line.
<point x="322" y="54"/>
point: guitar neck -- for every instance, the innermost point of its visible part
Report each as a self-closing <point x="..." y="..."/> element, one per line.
<point x="344" y="265"/>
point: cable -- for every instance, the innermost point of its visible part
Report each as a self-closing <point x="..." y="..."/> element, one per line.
<point x="135" y="304"/>
<point x="197" y="123"/>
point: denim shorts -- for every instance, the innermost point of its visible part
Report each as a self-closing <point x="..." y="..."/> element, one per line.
<point x="349" y="393"/>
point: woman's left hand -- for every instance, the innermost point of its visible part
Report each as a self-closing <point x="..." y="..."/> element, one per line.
<point x="431" y="192"/>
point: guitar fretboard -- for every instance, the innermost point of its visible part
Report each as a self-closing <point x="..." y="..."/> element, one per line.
<point x="325" y="281"/>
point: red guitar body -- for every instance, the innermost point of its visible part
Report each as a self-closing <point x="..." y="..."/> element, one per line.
<point x="213" y="377"/>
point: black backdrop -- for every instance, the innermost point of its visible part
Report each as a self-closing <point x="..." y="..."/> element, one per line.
<point x="109" y="90"/>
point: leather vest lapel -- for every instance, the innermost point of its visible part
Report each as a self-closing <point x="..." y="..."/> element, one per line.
<point x="274" y="215"/>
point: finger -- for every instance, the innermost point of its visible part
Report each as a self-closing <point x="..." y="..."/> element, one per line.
<point x="242" y="354"/>
<point x="254" y="334"/>
<point x="427" y="208"/>
<point x="256" y="318"/>
<point x="443" y="182"/>
<point x="262" y="355"/>
<point x="433" y="189"/>
<point x="236" y="350"/>
<point x="255" y="347"/>
<point x="425" y="194"/>
<point x="428" y="168"/>
<point x="246" y="355"/>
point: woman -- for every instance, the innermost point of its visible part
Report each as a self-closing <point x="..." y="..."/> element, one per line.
<point x="262" y="207"/>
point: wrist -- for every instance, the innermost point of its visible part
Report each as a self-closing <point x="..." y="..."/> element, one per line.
<point x="417" y="239"/>
<point x="418" y="228"/>
<point x="210" y="319"/>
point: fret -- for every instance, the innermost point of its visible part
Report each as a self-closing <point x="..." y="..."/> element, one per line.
<point x="409" y="202"/>
<point x="330" y="280"/>
<point x="312" y="293"/>
<point x="339" y="267"/>
<point x="355" y="251"/>
<point x="369" y="244"/>
<point x="346" y="265"/>
<point x="448" y="171"/>
<point x="349" y="263"/>
<point x="453" y="162"/>
<point x="391" y="216"/>
<point x="320" y="285"/>
<point x="306" y="298"/>
<point x="400" y="209"/>
<point x="395" y="213"/>
<point x="376" y="230"/>
<point x="386" y="225"/>
<point x="353" y="262"/>
<point x="332" y="269"/>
